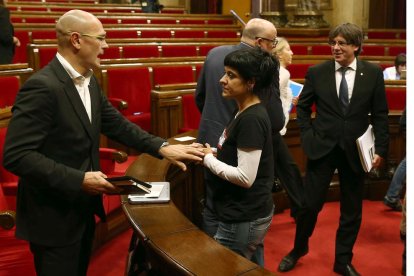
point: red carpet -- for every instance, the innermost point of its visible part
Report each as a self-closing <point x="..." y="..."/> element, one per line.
<point x="377" y="251"/>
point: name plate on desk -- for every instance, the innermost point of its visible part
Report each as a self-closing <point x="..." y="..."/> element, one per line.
<point x="160" y="193"/>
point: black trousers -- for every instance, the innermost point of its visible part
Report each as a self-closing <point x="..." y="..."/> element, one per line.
<point x="318" y="177"/>
<point x="288" y="173"/>
<point x="67" y="260"/>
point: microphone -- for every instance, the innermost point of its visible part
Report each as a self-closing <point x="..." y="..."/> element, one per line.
<point x="238" y="17"/>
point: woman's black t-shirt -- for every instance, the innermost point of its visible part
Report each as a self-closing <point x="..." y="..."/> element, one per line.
<point x="250" y="129"/>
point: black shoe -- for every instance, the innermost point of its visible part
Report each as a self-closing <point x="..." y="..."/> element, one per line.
<point x="394" y="205"/>
<point x="346" y="270"/>
<point x="290" y="260"/>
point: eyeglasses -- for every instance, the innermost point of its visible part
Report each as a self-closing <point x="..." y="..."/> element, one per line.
<point x="340" y="43"/>
<point x="274" y="41"/>
<point x="101" y="38"/>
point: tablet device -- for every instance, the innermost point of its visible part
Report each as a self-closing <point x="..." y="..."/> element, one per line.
<point x="130" y="185"/>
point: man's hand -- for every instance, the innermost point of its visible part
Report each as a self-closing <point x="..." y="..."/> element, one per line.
<point x="176" y="153"/>
<point x="376" y="161"/>
<point x="95" y="183"/>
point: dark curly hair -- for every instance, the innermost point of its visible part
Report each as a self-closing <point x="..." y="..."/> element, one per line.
<point x="258" y="65"/>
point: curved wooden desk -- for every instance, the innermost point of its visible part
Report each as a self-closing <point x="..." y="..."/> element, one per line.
<point x="173" y="243"/>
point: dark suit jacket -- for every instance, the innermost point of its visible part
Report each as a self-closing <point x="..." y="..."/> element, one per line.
<point x="330" y="126"/>
<point x="217" y="111"/>
<point x="50" y="144"/>
<point x="6" y="37"/>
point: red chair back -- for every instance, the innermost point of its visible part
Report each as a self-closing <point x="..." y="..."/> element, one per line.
<point x="179" y="51"/>
<point x="141" y="51"/>
<point x="173" y="74"/>
<point x="136" y="91"/>
<point x="191" y="115"/>
<point x="10" y="86"/>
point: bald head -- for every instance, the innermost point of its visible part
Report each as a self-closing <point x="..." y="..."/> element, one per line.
<point x="257" y="27"/>
<point x="75" y="21"/>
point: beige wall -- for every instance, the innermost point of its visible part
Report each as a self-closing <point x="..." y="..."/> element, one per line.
<point x="241" y="7"/>
<point x="353" y="11"/>
<point x="173" y="3"/>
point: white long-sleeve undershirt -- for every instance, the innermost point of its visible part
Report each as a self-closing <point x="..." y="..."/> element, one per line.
<point x="244" y="174"/>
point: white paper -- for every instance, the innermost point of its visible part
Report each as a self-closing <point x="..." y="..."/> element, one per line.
<point x="366" y="148"/>
<point x="185" y="138"/>
<point x="160" y="188"/>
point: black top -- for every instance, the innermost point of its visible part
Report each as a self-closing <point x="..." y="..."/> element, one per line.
<point x="250" y="129"/>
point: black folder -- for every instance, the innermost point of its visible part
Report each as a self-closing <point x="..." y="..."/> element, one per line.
<point x="130" y="185"/>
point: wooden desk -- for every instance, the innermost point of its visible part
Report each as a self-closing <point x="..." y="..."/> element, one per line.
<point x="173" y="243"/>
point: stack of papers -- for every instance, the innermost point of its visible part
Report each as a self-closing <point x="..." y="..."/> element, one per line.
<point x="366" y="148"/>
<point x="160" y="192"/>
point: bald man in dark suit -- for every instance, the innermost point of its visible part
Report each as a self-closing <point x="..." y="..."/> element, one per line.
<point x="52" y="144"/>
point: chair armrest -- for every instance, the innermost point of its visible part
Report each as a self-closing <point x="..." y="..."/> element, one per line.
<point x="118" y="103"/>
<point x="113" y="154"/>
<point x="7" y="219"/>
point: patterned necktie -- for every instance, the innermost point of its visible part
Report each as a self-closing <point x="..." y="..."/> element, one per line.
<point x="343" y="90"/>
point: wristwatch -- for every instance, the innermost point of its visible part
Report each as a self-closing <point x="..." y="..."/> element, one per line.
<point x="164" y="144"/>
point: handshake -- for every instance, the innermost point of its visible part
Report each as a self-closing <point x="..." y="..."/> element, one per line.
<point x="206" y="149"/>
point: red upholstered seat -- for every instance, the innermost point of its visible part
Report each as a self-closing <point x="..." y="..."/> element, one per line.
<point x="113" y="164"/>
<point x="111" y="53"/>
<point x="179" y="51"/>
<point x="173" y="74"/>
<point x="385" y="65"/>
<point x="20" y="54"/>
<point x="10" y="86"/>
<point x="43" y="34"/>
<point x="204" y="49"/>
<point x="395" y="50"/>
<point x="191" y="115"/>
<point x="136" y="91"/>
<point x="134" y="21"/>
<point x="15" y="256"/>
<point x="46" y="55"/>
<point x="155" y="34"/>
<point x="192" y="21"/>
<point x="189" y="34"/>
<point x="298" y="70"/>
<point x="396" y="97"/>
<point x="8" y="181"/>
<point x="40" y="20"/>
<point x="163" y="21"/>
<point x="121" y="34"/>
<point x="222" y="34"/>
<point x="299" y="49"/>
<point x="373" y="50"/>
<point x="321" y="50"/>
<point x="109" y="20"/>
<point x="140" y="51"/>
<point x="382" y="34"/>
<point x="220" y="21"/>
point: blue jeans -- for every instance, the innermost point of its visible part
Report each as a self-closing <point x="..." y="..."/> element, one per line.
<point x="394" y="190"/>
<point x="245" y="238"/>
